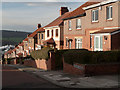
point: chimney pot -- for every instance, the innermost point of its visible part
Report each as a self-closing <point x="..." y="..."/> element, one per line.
<point x="39" y="25"/>
<point x="63" y="10"/>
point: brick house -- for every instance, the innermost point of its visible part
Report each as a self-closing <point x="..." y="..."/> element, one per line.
<point x="54" y="30"/>
<point x="94" y="26"/>
<point x="40" y="38"/>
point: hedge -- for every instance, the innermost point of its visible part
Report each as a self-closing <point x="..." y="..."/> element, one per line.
<point x="90" y="57"/>
<point x="59" y="54"/>
<point x="41" y="54"/>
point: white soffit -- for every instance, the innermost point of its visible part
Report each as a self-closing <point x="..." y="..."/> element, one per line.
<point x="99" y="4"/>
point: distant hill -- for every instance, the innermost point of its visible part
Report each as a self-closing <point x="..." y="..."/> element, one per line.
<point x="13" y="37"/>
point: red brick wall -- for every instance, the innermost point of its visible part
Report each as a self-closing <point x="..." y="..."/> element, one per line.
<point x="72" y="70"/>
<point x="102" y="69"/>
<point x="13" y="61"/>
<point x="115" y="41"/>
<point x="98" y="69"/>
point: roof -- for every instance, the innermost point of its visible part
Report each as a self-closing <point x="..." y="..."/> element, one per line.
<point x="17" y="47"/>
<point x="21" y="44"/>
<point x="58" y="21"/>
<point x="106" y="31"/>
<point x="10" y="51"/>
<point x="6" y="53"/>
<point x="26" y="39"/>
<point x="35" y="32"/>
<point x="14" y="49"/>
<point x="49" y="41"/>
<point x="80" y="11"/>
<point x="20" y="54"/>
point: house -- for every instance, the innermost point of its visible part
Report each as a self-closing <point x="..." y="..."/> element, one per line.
<point x="54" y="31"/>
<point x="94" y="26"/>
<point x="40" y="38"/>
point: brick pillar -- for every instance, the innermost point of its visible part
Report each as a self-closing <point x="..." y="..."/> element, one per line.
<point x="51" y="61"/>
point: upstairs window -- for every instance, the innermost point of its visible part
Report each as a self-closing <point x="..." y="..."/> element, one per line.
<point x="94" y="15"/>
<point x="56" y="32"/>
<point x="109" y="12"/>
<point x="52" y="33"/>
<point x="69" y="24"/>
<point x="78" y="23"/>
<point x="47" y="33"/>
<point x="41" y="36"/>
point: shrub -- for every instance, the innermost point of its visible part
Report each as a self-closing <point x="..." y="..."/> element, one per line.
<point x="41" y="54"/>
<point x="59" y="55"/>
<point x="89" y="57"/>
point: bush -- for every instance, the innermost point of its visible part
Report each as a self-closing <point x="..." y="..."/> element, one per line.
<point x="89" y="57"/>
<point x="59" y="55"/>
<point x="41" y="54"/>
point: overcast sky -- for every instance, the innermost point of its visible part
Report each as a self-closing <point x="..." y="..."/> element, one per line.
<point x="24" y="16"/>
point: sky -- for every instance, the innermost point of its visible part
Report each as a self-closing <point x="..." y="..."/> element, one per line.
<point x="24" y="16"/>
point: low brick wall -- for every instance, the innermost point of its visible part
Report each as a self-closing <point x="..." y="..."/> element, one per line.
<point x="42" y="64"/>
<point x="72" y="70"/>
<point x="102" y="69"/>
<point x="87" y="70"/>
<point x="13" y="61"/>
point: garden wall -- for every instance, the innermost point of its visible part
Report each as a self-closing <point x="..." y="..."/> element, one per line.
<point x="13" y="61"/>
<point x="42" y="64"/>
<point x="91" y="69"/>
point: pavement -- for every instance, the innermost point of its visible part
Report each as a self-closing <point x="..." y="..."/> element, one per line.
<point x="66" y="80"/>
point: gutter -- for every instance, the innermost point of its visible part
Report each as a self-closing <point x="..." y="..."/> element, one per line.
<point x="81" y="15"/>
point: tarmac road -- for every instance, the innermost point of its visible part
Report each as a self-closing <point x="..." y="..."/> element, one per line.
<point x="13" y="78"/>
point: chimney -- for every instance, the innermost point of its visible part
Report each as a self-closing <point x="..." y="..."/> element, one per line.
<point x="63" y="10"/>
<point x="39" y="25"/>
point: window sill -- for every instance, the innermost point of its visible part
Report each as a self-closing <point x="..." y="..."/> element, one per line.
<point x="78" y="29"/>
<point x="109" y="19"/>
<point x="95" y="22"/>
<point x="69" y="29"/>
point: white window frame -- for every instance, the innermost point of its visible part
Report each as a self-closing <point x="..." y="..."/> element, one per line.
<point x="110" y="14"/>
<point x="69" y="25"/>
<point x="94" y="15"/>
<point x="70" y="44"/>
<point x="78" y="43"/>
<point x="78" y="23"/>
<point x="99" y="43"/>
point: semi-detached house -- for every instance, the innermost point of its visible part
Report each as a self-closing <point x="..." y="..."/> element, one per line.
<point x="94" y="26"/>
<point x="54" y="33"/>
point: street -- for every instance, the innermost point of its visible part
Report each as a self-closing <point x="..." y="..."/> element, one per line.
<point x="13" y="78"/>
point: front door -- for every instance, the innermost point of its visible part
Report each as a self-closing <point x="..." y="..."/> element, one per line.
<point x="98" y="45"/>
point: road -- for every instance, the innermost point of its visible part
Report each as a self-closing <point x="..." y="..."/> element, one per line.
<point x="13" y="78"/>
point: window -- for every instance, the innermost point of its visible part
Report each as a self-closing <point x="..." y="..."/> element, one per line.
<point x="70" y="44"/>
<point x="29" y="40"/>
<point x="69" y="24"/>
<point x="78" y="23"/>
<point x="90" y="41"/>
<point x="41" y="36"/>
<point x="78" y="43"/>
<point x="66" y="42"/>
<point x="52" y="33"/>
<point x="26" y="44"/>
<point x="56" y="32"/>
<point x="47" y="33"/>
<point x="94" y="15"/>
<point x="109" y="12"/>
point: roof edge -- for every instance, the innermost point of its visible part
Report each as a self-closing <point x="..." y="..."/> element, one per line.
<point x="99" y="4"/>
<point x="81" y="15"/>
